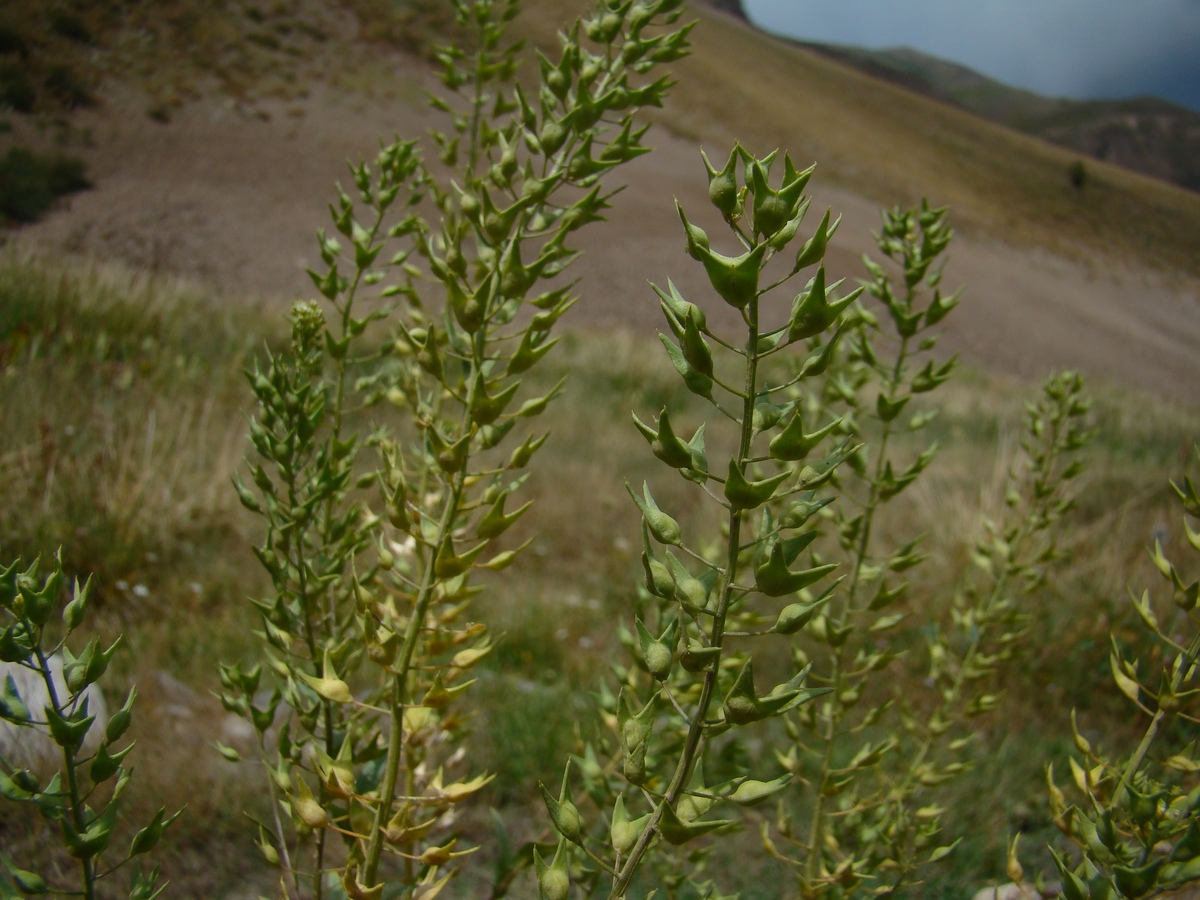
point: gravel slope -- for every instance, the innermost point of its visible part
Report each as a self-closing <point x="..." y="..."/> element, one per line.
<point x="233" y="200"/>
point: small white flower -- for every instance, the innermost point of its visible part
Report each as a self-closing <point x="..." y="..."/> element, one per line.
<point x="140" y="590"/>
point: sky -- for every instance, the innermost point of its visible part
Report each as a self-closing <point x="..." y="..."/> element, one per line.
<point x="1082" y="49"/>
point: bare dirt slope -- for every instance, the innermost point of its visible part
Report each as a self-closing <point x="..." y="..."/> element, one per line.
<point x="234" y="200"/>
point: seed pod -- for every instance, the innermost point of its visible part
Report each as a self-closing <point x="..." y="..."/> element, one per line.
<point x="814" y="248"/>
<point x="734" y="278"/>
<point x="674" y="305"/>
<point x="664" y="528"/>
<point x="744" y="494"/>
<point x="564" y="813"/>
<point x="722" y="185"/>
<point x="658" y="653"/>
<point x="696" y="658"/>
<point x="697" y="238"/>
<point x="623" y="833"/>
<point x="307" y="809"/>
<point x="664" y="443"/>
<point x="658" y="577"/>
<point x="752" y="793"/>
<point x="741" y="703"/>
<point x="794" y="616"/>
<point x="554" y="880"/>
<point x="812" y="312"/>
<point x="793" y="444"/>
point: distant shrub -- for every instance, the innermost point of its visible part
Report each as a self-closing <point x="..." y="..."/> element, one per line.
<point x="70" y="26"/>
<point x="12" y="41"/>
<point x="16" y="89"/>
<point x="65" y="84"/>
<point x="30" y="183"/>
<point x="1078" y="174"/>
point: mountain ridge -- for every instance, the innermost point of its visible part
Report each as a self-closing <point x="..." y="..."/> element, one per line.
<point x="1144" y="134"/>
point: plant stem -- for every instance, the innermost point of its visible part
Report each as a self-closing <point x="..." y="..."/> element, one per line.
<point x="87" y="866"/>
<point x="695" y="735"/>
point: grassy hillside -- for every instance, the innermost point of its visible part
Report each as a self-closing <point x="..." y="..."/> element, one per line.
<point x="895" y="147"/>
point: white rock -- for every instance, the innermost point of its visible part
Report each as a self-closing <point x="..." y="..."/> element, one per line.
<point x="32" y="748"/>
<point x="1012" y="891"/>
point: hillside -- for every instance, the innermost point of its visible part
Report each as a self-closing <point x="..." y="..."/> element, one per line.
<point x="213" y="157"/>
<point x="1144" y="134"/>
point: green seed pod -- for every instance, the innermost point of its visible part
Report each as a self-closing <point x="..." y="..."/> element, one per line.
<point x="734" y="278"/>
<point x="674" y="305"/>
<point x="658" y="660"/>
<point x="752" y="793"/>
<point x="744" y="494"/>
<point x="623" y="833"/>
<point x="741" y="703"/>
<point x="814" y="248"/>
<point x="552" y="137"/>
<point x="555" y="884"/>
<point x="722" y="186"/>
<point x="664" y="443"/>
<point x="658" y="577"/>
<point x="696" y="658"/>
<point x="697" y="239"/>
<point x="565" y="816"/>
<point x="794" y="616"/>
<point x="664" y="528"/>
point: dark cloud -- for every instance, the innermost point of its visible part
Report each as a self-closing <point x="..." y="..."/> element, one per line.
<point x="1069" y="48"/>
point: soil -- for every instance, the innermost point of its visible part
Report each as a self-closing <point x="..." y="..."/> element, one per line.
<point x="232" y="196"/>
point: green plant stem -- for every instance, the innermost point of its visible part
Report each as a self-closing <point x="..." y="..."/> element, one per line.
<point x="696" y="728"/>
<point x="87" y="866"/>
<point x="400" y="684"/>
<point x="873" y="500"/>
<point x="1139" y="755"/>
<point x="817" y="822"/>
<point x="412" y="632"/>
